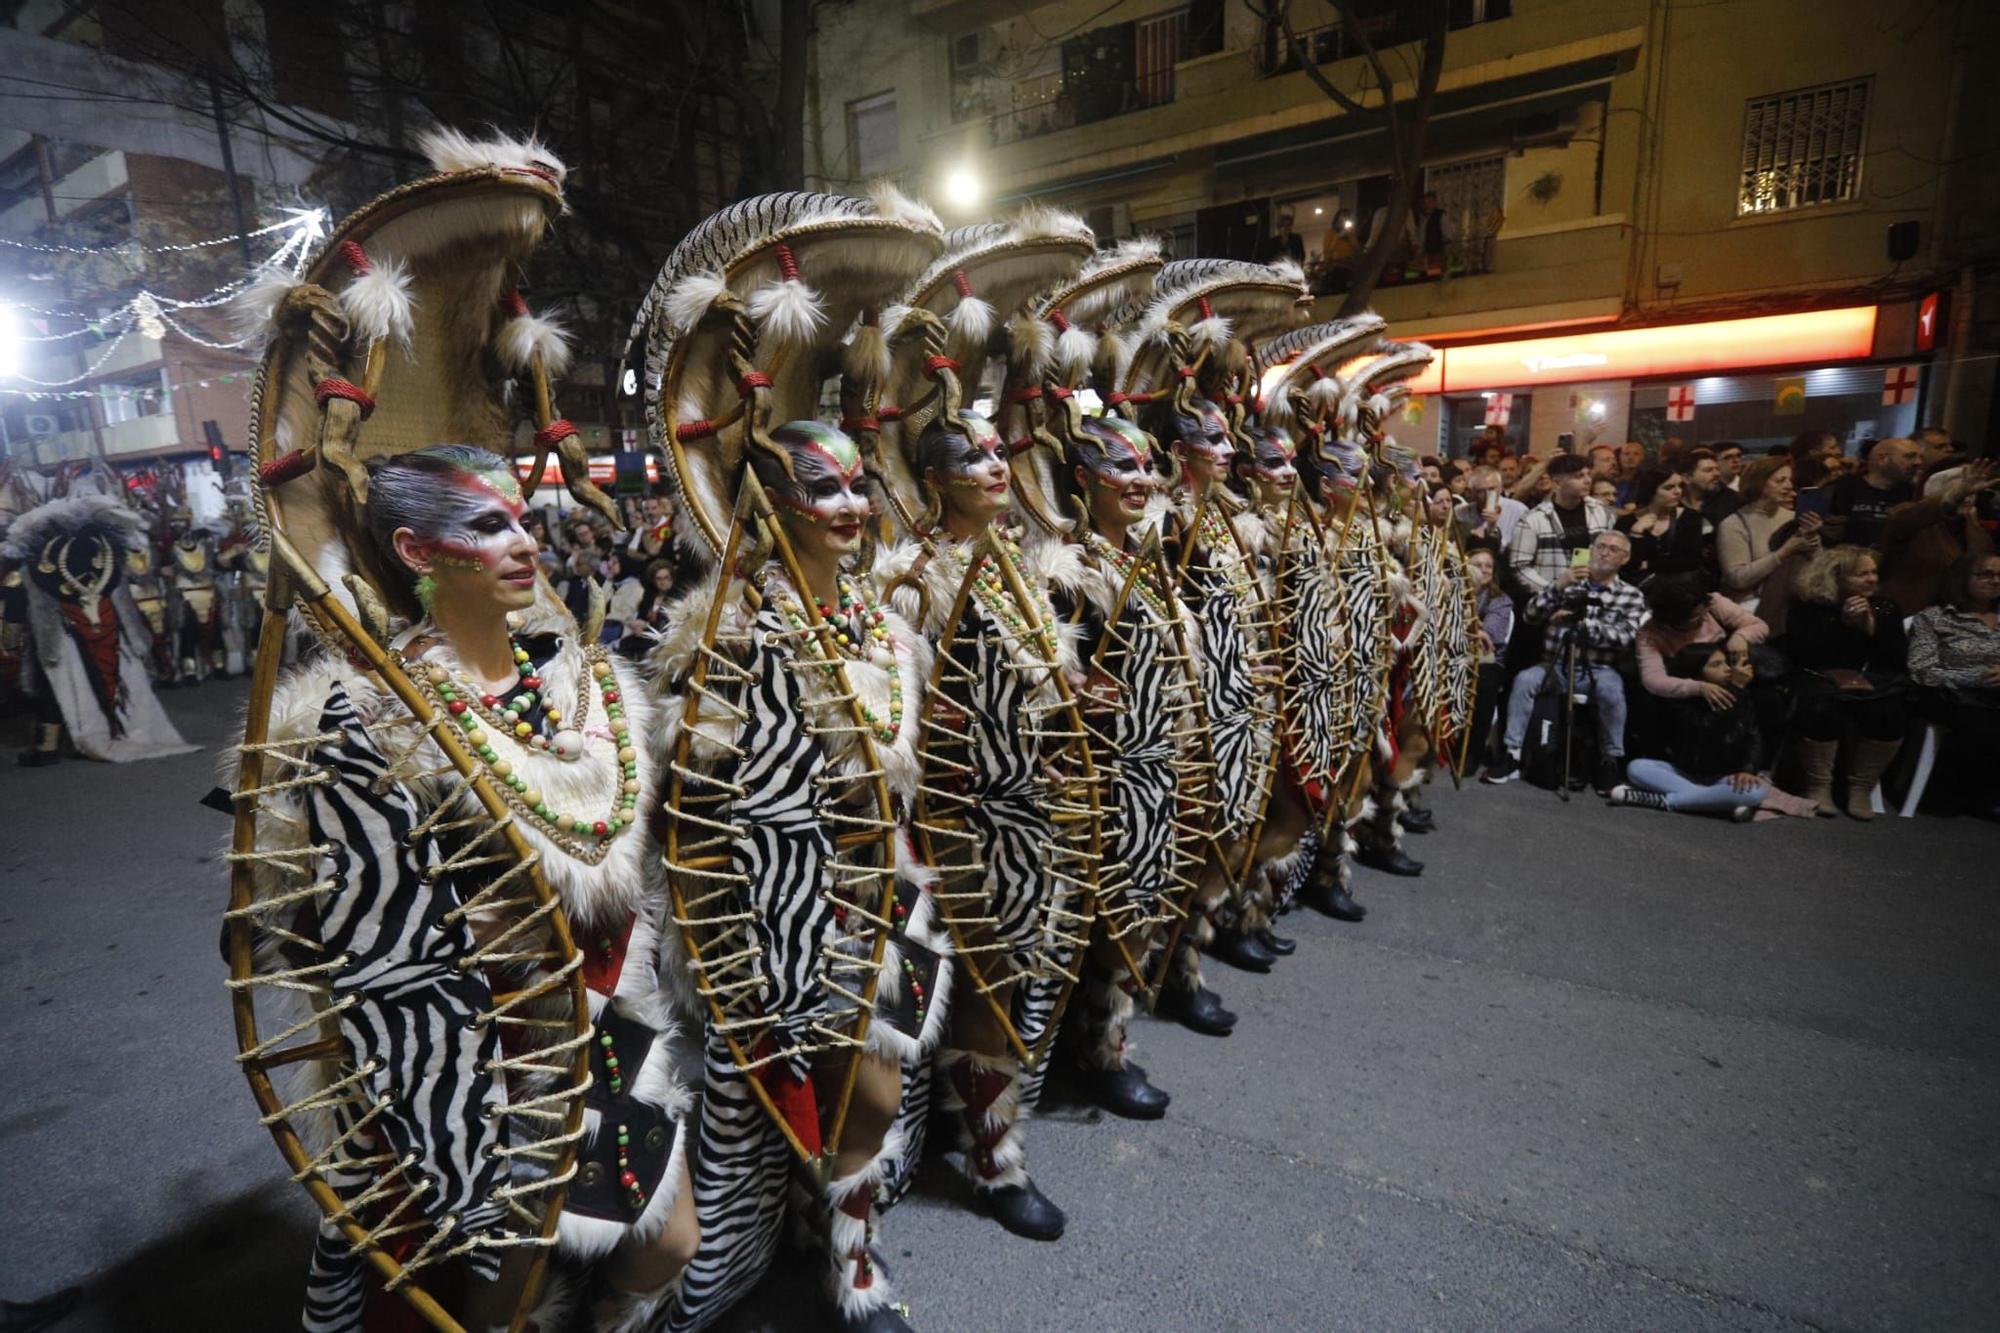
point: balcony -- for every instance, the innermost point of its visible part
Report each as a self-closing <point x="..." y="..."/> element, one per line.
<point x="1555" y="273"/>
<point x="1105" y="73"/>
<point x="99" y="176"/>
<point x="137" y="438"/>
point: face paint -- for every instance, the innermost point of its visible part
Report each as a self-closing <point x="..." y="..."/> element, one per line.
<point x="1118" y="457"/>
<point x="825" y="490"/>
<point x="486" y="530"/>
<point x="1271" y="454"/>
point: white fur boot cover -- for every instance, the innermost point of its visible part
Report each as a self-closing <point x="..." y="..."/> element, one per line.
<point x="984" y="1093"/>
<point x="853" y="1281"/>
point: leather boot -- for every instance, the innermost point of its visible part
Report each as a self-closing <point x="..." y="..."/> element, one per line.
<point x="1125" y="1092"/>
<point x="983" y="1093"/>
<point x="1816" y="765"/>
<point x="1865" y="765"/>
<point x="1196" y="1008"/>
<point x="1282" y="945"/>
<point x="1390" y="860"/>
<point x="47" y="749"/>
<point x="1418" y="819"/>
<point x="1325" y="890"/>
<point x="1238" y="949"/>
<point x="1024" y="1210"/>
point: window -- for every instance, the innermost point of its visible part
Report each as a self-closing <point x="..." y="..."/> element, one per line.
<point x="873" y="135"/>
<point x="1802" y="148"/>
<point x="1473" y="196"/>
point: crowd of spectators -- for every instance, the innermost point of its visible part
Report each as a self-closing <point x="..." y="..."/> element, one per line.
<point x="1742" y="634"/>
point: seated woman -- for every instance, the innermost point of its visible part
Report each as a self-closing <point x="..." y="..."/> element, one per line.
<point x="1760" y="547"/>
<point x="1851" y="655"/>
<point x="1684" y="614"/>
<point x="1955" y="651"/>
<point x="1666" y="538"/>
<point x="1712" y="740"/>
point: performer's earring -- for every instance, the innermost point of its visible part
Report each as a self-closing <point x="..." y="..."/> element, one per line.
<point x="426" y="591"/>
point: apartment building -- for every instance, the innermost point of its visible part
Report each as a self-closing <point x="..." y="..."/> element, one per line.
<point x="1664" y="218"/>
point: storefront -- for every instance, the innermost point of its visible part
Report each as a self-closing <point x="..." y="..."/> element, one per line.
<point x="1860" y="372"/>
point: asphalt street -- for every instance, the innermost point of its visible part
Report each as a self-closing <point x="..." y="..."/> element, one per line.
<point x="1595" y="1069"/>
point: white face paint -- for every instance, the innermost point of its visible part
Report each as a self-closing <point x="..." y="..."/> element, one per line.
<point x="483" y="554"/>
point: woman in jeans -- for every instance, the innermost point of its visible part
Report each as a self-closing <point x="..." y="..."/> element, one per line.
<point x="1848" y="645"/>
<point x="1712" y="746"/>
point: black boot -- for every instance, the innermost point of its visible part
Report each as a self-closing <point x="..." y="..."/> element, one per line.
<point x="1237" y="949"/>
<point x="1418" y="819"/>
<point x="1196" y="1008"/>
<point x="1324" y="892"/>
<point x="1390" y="860"/>
<point x="1125" y="1092"/>
<point x="1278" y="944"/>
<point x="1023" y="1210"/>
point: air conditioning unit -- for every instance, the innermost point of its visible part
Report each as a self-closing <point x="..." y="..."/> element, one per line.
<point x="40" y="424"/>
<point x="971" y="50"/>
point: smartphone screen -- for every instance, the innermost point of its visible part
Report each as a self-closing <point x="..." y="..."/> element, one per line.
<point x="1814" y="501"/>
<point x="1579" y="557"/>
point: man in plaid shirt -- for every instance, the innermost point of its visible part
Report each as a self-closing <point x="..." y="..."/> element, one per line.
<point x="1601" y="613"/>
<point x="1547" y="535"/>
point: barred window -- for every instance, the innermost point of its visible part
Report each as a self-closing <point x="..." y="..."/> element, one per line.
<point x="1802" y="148"/>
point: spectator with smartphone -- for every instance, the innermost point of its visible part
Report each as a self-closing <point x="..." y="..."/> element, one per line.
<point x="1489" y="516"/>
<point x="1567" y="522"/>
<point x="1925" y="538"/>
<point x="1761" y="546"/>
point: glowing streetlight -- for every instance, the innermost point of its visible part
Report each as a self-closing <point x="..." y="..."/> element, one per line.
<point x="963" y="189"/>
<point x="10" y="343"/>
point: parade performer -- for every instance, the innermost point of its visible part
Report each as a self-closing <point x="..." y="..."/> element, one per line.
<point x="198" y="601"/>
<point x="1190" y="357"/>
<point x="789" y="712"/>
<point x="1006" y="809"/>
<point x="152" y="594"/>
<point x="83" y="661"/>
<point x="1395" y="509"/>
<point x="1332" y="634"/>
<point x="1141" y="706"/>
<point x="454" y="991"/>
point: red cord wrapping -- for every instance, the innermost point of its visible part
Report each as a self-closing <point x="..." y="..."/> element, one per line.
<point x="284" y="468"/>
<point x="1027" y="395"/>
<point x="1185" y="372"/>
<point x="753" y="379"/>
<point x="889" y="413"/>
<point x="512" y="303"/>
<point x="1207" y="310"/>
<point x="788" y="263"/>
<point x="963" y="283"/>
<point x="852" y="424"/>
<point x="1057" y="391"/>
<point x="353" y="393"/>
<point x="549" y="436"/>
<point x="933" y="364"/>
<point x="1059" y="319"/>
<point x="357" y="258"/>
<point x="694" y="430"/>
<point x="1020" y="446"/>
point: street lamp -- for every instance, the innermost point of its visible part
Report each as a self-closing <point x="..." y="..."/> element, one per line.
<point x="10" y="343"/>
<point x="962" y="189"/>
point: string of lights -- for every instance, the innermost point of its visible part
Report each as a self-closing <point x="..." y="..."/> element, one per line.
<point x="314" y="219"/>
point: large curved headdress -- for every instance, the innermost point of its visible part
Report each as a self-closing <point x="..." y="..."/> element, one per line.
<point x="1300" y="388"/>
<point x="1372" y="390"/>
<point x="742" y="325"/>
<point x="937" y="338"/>
<point x="1204" y="316"/>
<point x="407" y="329"/>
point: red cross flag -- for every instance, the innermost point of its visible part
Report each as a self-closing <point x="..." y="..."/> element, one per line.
<point x="1680" y="403"/>
<point x="1499" y="407"/>
<point x="1899" y="385"/>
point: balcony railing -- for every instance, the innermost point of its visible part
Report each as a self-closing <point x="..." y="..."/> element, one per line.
<point x="1141" y="75"/>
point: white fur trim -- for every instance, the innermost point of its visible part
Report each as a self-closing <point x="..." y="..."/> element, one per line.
<point x="451" y="150"/>
<point x="1211" y="334"/>
<point x="891" y="202"/>
<point x="524" y="335"/>
<point x="378" y="304"/>
<point x="972" y="320"/>
<point x="1076" y="350"/>
<point x="1029" y="343"/>
<point x="787" y="313"/>
<point x="866" y="356"/>
<point x="253" y="310"/>
<point x="689" y="299"/>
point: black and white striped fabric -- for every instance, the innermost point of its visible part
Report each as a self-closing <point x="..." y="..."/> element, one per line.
<point x="412" y="1027"/>
<point x="1240" y="744"/>
<point x="1316" y="693"/>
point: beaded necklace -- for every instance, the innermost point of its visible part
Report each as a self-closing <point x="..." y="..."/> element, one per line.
<point x="1123" y="562"/>
<point x="991" y="591"/>
<point x="486" y="719"/>
<point x="858" y="631"/>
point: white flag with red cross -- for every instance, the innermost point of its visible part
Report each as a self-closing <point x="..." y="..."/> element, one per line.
<point x="1680" y="403"/>
<point x="1899" y="385"/>
<point x="1499" y="407"/>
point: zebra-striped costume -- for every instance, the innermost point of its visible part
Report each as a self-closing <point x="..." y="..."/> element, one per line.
<point x="999" y="677"/>
<point x="405" y="1011"/>
<point x="775" y="736"/>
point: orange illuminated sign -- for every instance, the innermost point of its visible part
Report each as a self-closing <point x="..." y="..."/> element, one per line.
<point x="602" y="470"/>
<point x="1814" y="337"/>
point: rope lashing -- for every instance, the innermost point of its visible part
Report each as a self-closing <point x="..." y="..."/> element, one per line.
<point x="694" y="430"/>
<point x="963" y="283"/>
<point x="353" y="393"/>
<point x="1317" y="373"/>
<point x="1026" y="395"/>
<point x="357" y="258"/>
<point x="1184" y="372"/>
<point x="511" y="302"/>
<point x="549" y="436"/>
<point x="284" y="468"/>
<point x="933" y="364"/>
<point x="1207" y="310"/>
<point x="1059" y="319"/>
<point x="1015" y="448"/>
<point x="852" y="424"/>
<point x="1058" y="391"/>
<point x="889" y="413"/>
<point x="788" y="263"/>
<point x="752" y="379"/>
